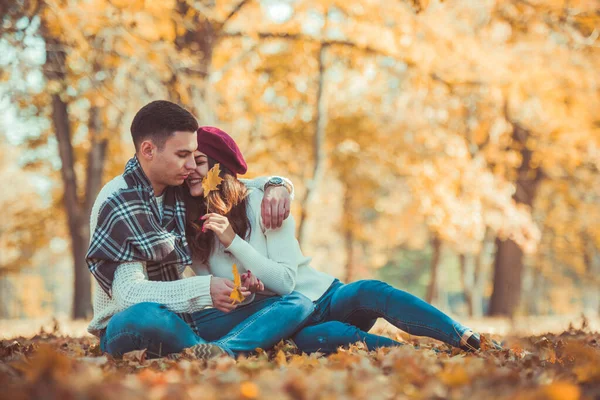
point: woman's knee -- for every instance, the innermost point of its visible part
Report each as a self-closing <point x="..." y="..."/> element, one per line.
<point x="302" y="305"/>
<point x="359" y="294"/>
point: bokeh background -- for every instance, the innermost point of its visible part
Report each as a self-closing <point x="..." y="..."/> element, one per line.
<point x="450" y="148"/>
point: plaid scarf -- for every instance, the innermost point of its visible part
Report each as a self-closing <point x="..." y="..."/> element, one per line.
<point x="131" y="229"/>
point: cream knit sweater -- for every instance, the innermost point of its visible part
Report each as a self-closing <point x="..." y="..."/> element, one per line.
<point x="131" y="284"/>
<point x="272" y="255"/>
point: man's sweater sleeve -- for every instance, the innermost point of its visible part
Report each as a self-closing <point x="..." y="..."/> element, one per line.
<point x="131" y="286"/>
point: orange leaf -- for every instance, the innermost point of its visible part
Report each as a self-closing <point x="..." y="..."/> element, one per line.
<point x="249" y="390"/>
<point x="212" y="180"/>
<point x="236" y="294"/>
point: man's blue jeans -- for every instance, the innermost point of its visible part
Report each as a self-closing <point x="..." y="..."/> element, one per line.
<point x="346" y="312"/>
<point x="152" y="326"/>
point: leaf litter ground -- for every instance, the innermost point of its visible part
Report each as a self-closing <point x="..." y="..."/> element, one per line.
<point x="552" y="366"/>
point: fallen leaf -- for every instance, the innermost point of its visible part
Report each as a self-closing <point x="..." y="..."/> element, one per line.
<point x="135" y="356"/>
<point x="249" y="390"/>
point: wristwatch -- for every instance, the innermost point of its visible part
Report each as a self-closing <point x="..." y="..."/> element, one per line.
<point x="277" y="181"/>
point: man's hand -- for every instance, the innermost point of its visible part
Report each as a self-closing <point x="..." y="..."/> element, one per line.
<point x="252" y="282"/>
<point x="220" y="289"/>
<point x="275" y="207"/>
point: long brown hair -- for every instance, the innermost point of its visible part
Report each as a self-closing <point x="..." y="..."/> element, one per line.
<point x="231" y="200"/>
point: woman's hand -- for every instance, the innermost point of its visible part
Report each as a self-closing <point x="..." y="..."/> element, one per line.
<point x="220" y="226"/>
<point x="252" y="282"/>
<point x="220" y="290"/>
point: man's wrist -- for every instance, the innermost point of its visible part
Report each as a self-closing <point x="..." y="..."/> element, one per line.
<point x="278" y="181"/>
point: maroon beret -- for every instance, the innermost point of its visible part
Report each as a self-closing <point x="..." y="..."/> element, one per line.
<point x="219" y="146"/>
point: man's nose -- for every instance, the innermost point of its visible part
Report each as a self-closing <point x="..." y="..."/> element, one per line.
<point x="190" y="163"/>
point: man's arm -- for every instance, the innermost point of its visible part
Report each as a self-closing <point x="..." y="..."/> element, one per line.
<point x="131" y="286"/>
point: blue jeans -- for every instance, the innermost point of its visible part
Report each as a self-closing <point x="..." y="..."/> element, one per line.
<point x="152" y="326"/>
<point x="346" y="312"/>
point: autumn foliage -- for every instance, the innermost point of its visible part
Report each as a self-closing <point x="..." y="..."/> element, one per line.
<point x="565" y="367"/>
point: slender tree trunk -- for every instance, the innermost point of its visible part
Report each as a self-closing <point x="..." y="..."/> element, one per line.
<point x="348" y="239"/>
<point x="478" y="286"/>
<point x="320" y="123"/>
<point x="508" y="263"/>
<point x="432" y="288"/>
<point x="467" y="281"/>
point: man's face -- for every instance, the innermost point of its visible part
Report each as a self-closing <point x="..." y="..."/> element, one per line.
<point x="172" y="165"/>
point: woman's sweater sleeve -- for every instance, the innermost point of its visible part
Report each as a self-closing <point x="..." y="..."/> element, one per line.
<point x="131" y="286"/>
<point x="278" y="270"/>
<point x="261" y="181"/>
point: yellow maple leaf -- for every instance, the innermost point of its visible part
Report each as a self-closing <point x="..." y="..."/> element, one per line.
<point x="236" y="294"/>
<point x="212" y="180"/>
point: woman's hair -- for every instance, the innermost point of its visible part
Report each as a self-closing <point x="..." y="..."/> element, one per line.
<point x="230" y="200"/>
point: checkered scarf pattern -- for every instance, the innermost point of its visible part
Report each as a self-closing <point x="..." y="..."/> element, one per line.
<point x="130" y="229"/>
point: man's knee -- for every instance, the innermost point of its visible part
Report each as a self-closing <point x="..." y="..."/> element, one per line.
<point x="143" y="319"/>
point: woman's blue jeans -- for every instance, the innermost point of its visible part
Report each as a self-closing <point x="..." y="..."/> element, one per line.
<point x="346" y="312"/>
<point x="151" y="326"/>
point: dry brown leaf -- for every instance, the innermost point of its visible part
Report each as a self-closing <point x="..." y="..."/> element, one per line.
<point x="135" y="356"/>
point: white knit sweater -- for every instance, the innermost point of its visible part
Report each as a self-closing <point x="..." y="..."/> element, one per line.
<point x="272" y="255"/>
<point x="131" y="284"/>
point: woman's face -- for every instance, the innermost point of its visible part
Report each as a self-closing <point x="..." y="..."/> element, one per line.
<point x="194" y="180"/>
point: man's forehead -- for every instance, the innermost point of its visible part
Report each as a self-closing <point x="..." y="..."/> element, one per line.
<point x="183" y="141"/>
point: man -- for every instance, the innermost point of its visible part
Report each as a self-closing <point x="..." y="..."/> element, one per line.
<point x="138" y="252"/>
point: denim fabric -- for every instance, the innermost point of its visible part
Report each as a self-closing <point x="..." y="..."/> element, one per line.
<point x="346" y="312"/>
<point x="152" y="326"/>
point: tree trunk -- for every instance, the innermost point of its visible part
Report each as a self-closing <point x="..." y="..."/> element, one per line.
<point x="319" y="150"/>
<point x="432" y="289"/>
<point x="348" y="239"/>
<point x="478" y="286"/>
<point x="468" y="283"/>
<point x="200" y="39"/>
<point x="55" y="70"/>
<point x="508" y="262"/>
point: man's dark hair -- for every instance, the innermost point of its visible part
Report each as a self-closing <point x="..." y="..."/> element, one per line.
<point x="158" y="121"/>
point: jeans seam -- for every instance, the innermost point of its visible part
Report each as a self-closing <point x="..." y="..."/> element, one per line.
<point x="450" y="340"/>
<point x="248" y="323"/>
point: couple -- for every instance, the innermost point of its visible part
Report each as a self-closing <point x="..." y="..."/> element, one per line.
<point x="154" y="220"/>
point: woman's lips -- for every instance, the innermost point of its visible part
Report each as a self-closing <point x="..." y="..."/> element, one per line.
<point x="194" y="181"/>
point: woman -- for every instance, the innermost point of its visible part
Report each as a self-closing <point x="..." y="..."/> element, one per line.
<point x="229" y="231"/>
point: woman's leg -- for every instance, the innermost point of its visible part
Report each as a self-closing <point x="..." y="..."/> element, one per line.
<point x="360" y="303"/>
<point x="148" y="326"/>
<point x="326" y="337"/>
<point x="260" y="324"/>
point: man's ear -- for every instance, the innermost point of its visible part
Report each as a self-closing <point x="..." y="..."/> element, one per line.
<point x="147" y="150"/>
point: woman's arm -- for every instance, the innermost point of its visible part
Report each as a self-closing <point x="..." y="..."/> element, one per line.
<point x="278" y="270"/>
<point x="131" y="286"/>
